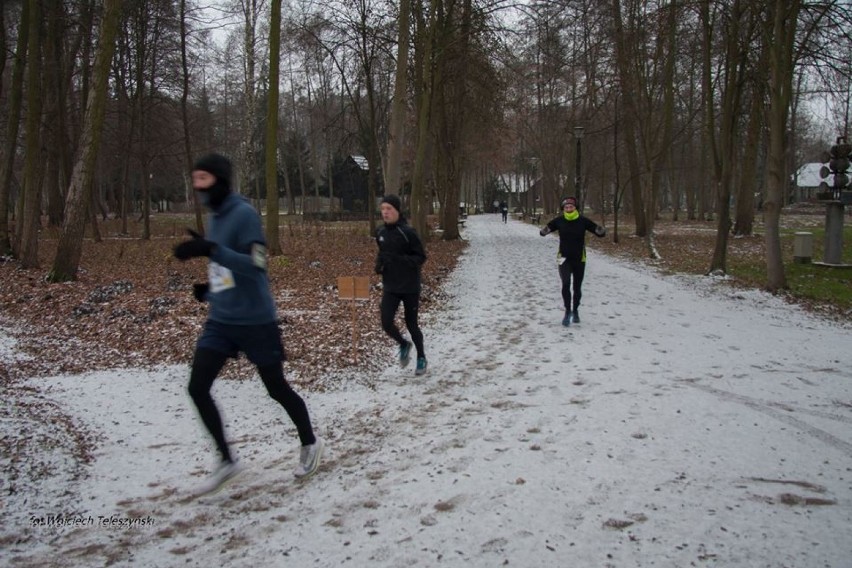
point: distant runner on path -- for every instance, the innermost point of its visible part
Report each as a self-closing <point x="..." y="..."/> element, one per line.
<point x="571" y="256"/>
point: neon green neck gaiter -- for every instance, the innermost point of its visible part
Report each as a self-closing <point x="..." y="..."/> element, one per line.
<point x="572" y="216"/>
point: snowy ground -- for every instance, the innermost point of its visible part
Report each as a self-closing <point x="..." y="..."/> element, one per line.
<point x="681" y="423"/>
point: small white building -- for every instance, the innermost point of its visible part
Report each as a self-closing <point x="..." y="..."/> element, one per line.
<point x="807" y="181"/>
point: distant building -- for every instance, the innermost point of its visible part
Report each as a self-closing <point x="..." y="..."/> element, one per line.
<point x="807" y="182"/>
<point x="350" y="182"/>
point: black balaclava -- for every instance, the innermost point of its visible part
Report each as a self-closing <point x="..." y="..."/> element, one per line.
<point x="220" y="167"/>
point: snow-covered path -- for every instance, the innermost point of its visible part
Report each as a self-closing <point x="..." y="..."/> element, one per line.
<point x="681" y="423"/>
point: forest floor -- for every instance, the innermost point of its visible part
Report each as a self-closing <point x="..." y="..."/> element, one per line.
<point x="132" y="303"/>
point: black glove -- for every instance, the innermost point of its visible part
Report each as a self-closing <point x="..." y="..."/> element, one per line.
<point x="379" y="266"/>
<point x="600" y="231"/>
<point x="200" y="291"/>
<point x="196" y="246"/>
<point x="544" y="231"/>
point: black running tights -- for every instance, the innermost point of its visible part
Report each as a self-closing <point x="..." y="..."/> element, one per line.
<point x="410" y="304"/>
<point x="205" y="368"/>
<point x="572" y="277"/>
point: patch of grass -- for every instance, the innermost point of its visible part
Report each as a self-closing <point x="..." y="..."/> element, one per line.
<point x="806" y="282"/>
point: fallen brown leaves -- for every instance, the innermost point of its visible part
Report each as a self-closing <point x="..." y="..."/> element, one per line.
<point x="132" y="304"/>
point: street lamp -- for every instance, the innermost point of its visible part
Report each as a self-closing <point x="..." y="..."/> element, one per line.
<point x="578" y="134"/>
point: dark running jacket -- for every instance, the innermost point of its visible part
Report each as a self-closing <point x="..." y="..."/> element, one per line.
<point x="572" y="236"/>
<point x="400" y="257"/>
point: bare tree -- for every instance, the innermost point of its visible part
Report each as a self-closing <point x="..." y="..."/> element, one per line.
<point x="70" y="246"/>
<point x="398" y="107"/>
<point x="30" y="221"/>
<point x="271" y="156"/>
<point x="736" y="23"/>
<point x="425" y="82"/>
<point x="780" y="31"/>
<point x="12" y="126"/>
<point x="624" y="45"/>
<point x="184" y="108"/>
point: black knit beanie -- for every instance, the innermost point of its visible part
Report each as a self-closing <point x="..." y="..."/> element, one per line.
<point x="393" y="201"/>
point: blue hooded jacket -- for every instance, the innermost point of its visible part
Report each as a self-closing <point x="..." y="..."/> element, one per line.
<point x="239" y="284"/>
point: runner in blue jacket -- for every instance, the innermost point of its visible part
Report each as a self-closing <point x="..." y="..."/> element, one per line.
<point x="242" y="315"/>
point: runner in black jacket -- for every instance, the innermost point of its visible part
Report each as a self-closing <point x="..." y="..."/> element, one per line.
<point x="399" y="260"/>
<point x="571" y="257"/>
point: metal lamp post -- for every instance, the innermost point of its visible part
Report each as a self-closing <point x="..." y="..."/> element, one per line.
<point x="578" y="134"/>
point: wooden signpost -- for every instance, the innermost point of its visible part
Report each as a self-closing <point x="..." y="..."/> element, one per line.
<point x="353" y="289"/>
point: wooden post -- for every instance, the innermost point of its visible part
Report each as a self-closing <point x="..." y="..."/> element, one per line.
<point x="353" y="288"/>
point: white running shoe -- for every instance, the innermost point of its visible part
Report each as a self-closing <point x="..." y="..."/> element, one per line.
<point x="309" y="459"/>
<point x="225" y="472"/>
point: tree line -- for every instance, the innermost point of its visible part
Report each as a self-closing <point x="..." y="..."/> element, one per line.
<point x="695" y="106"/>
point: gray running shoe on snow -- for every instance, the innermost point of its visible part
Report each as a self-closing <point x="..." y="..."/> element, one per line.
<point x="226" y="471"/>
<point x="309" y="459"/>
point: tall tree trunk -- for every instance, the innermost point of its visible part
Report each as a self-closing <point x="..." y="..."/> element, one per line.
<point x="184" y="111"/>
<point x="78" y="202"/>
<point x="400" y="90"/>
<point x="780" y="37"/>
<point x="728" y="132"/>
<point x="56" y="176"/>
<point x="744" y="223"/>
<point x="707" y="89"/>
<point x="628" y="91"/>
<point x="271" y="151"/>
<point x="419" y="201"/>
<point x="31" y="215"/>
<point x="247" y="146"/>
<point x="3" y="50"/>
<point x="456" y="110"/>
<point x="668" y="51"/>
<point x="12" y="126"/>
<point x="93" y="218"/>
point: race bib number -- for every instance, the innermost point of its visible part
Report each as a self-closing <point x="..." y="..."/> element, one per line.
<point x="220" y="278"/>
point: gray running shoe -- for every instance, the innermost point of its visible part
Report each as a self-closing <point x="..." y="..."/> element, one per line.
<point x="309" y="459"/>
<point x="225" y="472"/>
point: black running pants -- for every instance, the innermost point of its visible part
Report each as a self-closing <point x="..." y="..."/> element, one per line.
<point x="410" y="303"/>
<point x="206" y="365"/>
<point x="571" y="274"/>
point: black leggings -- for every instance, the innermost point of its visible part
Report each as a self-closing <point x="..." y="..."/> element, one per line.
<point x="205" y="368"/>
<point x="410" y="304"/>
<point x="569" y="271"/>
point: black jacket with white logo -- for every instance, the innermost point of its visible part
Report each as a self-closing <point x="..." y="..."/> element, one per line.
<point x="400" y="257"/>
